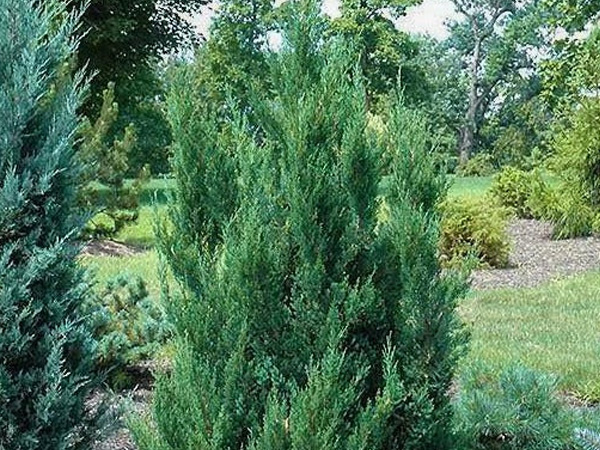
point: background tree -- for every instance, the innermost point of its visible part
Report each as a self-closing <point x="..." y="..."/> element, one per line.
<point x="573" y="14"/>
<point x="385" y="51"/>
<point x="494" y="41"/>
<point x="125" y="37"/>
<point x="233" y="61"/>
<point x="46" y="352"/>
<point x="358" y="347"/>
<point x="571" y="70"/>
<point x="517" y="132"/>
<point x="447" y="84"/>
<point x="124" y="42"/>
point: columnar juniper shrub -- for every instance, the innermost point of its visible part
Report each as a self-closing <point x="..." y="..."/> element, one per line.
<point x="46" y="352"/>
<point x="302" y="321"/>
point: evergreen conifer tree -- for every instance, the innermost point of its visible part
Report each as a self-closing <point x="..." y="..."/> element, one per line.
<point x="46" y="352"/>
<point x="313" y="313"/>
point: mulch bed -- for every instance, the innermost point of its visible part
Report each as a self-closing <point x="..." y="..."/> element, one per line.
<point x="129" y="403"/>
<point x="134" y="402"/>
<point x="536" y="258"/>
<point x="109" y="248"/>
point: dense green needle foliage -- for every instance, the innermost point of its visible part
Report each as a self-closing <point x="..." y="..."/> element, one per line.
<point x="46" y="353"/>
<point x="312" y="313"/>
<point x="517" y="410"/>
<point x="587" y="439"/>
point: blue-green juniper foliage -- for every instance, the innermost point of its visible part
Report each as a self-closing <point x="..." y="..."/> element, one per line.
<point x="46" y="354"/>
<point x="311" y="311"/>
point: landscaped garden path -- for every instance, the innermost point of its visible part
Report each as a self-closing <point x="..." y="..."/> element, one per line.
<point x="536" y="258"/>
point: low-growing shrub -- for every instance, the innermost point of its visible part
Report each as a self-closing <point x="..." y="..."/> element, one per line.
<point x="474" y="228"/>
<point x="480" y="165"/>
<point x="128" y="324"/>
<point x="577" y="163"/>
<point x="525" y="193"/>
<point x="577" y="151"/>
<point x="596" y="224"/>
<point x="542" y="200"/>
<point x="101" y="226"/>
<point x="517" y="410"/>
<point x="529" y="196"/>
<point x="587" y="439"/>
<point x="571" y="216"/>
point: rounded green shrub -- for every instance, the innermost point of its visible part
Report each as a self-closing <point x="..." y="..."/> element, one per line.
<point x="577" y="162"/>
<point x="100" y="226"/>
<point x="474" y="228"/>
<point x="523" y="192"/>
<point x="596" y="224"/>
<point x="480" y="165"/>
<point x="572" y="217"/>
<point x="129" y="325"/>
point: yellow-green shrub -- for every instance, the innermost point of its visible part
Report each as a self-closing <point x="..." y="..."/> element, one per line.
<point x="480" y="165"/>
<point x="474" y="228"/>
<point x="523" y="192"/>
<point x="577" y="162"/>
<point x="572" y="217"/>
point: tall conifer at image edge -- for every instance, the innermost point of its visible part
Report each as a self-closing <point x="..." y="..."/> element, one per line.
<point x="46" y="351"/>
<point x="313" y="313"/>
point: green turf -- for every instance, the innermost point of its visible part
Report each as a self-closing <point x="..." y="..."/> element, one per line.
<point x="554" y="328"/>
<point x="143" y="264"/>
<point x="153" y="199"/>
<point x="469" y="186"/>
<point x="141" y="232"/>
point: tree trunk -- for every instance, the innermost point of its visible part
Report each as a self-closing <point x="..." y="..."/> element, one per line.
<point x="468" y="132"/>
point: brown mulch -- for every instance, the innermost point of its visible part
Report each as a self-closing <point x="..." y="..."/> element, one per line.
<point x="133" y="402"/>
<point x="109" y="248"/>
<point x="536" y="258"/>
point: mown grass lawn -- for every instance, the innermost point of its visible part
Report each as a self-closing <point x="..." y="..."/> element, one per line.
<point x="141" y="232"/>
<point x="145" y="264"/>
<point x="469" y="186"/>
<point x="554" y="328"/>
